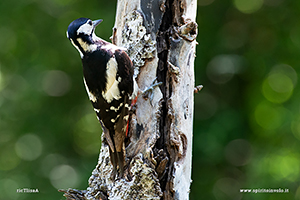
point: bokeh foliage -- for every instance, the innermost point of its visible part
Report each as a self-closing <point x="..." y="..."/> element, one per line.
<point x="247" y="120"/>
<point x="246" y="130"/>
<point x="49" y="134"/>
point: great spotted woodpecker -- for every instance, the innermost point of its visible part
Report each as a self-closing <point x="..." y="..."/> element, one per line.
<point x="109" y="82"/>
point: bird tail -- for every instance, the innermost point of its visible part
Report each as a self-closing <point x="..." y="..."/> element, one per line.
<point x="120" y="156"/>
<point x="117" y="159"/>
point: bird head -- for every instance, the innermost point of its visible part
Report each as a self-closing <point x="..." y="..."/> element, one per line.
<point x="81" y="32"/>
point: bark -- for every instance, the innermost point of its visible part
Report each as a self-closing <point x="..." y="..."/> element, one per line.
<point x="160" y="39"/>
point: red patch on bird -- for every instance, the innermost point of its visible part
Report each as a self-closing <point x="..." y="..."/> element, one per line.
<point x="133" y="102"/>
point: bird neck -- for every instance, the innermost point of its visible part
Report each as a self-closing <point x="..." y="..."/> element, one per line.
<point x="88" y="44"/>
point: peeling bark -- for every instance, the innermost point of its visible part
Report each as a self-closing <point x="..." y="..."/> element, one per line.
<point x="160" y="39"/>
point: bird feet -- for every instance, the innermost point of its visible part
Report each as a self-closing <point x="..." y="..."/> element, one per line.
<point x="145" y="94"/>
<point x="149" y="91"/>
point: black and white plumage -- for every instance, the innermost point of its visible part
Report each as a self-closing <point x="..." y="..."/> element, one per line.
<point x="108" y="78"/>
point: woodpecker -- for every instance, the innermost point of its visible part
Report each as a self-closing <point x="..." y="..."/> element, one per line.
<point x="108" y="78"/>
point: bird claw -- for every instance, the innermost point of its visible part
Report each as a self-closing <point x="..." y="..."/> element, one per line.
<point x="149" y="91"/>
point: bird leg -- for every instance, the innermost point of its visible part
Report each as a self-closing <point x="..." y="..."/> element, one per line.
<point x="149" y="91"/>
<point x="145" y="93"/>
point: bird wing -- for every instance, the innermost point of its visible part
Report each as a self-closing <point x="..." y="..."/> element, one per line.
<point x="111" y="90"/>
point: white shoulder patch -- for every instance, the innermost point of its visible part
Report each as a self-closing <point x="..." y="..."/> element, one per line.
<point x="111" y="89"/>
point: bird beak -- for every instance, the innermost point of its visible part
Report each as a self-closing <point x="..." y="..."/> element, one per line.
<point x="97" y="22"/>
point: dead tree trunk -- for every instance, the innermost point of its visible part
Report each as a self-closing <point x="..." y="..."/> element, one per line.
<point x="160" y="39"/>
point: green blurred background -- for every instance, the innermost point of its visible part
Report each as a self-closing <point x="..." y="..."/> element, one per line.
<point x="247" y="117"/>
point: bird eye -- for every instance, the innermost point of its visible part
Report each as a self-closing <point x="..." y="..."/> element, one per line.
<point x="90" y="23"/>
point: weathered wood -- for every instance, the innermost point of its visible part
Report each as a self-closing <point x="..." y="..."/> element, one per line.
<point x="160" y="39"/>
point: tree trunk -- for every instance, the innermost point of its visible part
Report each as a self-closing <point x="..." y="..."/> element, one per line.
<point x="160" y="39"/>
